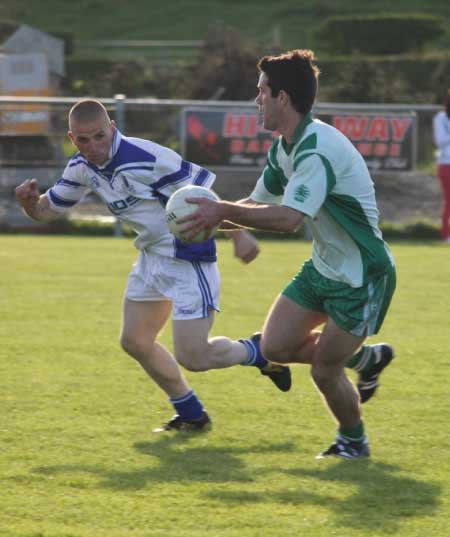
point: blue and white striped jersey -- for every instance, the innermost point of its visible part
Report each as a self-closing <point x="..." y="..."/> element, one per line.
<point x="135" y="184"/>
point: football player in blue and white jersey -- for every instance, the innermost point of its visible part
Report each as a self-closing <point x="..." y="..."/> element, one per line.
<point x="134" y="178"/>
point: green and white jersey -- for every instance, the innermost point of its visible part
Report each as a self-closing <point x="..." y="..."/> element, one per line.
<point x="322" y="175"/>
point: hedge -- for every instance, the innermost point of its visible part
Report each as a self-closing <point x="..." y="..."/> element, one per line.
<point x="409" y="230"/>
<point x="378" y="34"/>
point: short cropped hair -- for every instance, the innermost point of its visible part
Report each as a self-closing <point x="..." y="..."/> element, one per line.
<point x="295" y="73"/>
<point x="87" y="110"/>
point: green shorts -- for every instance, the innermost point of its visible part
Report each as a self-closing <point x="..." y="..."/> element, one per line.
<point x="358" y="310"/>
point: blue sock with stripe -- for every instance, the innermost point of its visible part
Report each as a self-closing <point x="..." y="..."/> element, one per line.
<point x="188" y="407"/>
<point x="255" y="357"/>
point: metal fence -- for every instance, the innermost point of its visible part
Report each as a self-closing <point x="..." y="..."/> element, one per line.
<point x="33" y="141"/>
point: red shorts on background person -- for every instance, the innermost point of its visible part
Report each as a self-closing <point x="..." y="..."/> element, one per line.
<point x="441" y="132"/>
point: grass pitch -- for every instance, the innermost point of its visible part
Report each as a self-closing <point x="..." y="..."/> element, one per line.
<point x="77" y="458"/>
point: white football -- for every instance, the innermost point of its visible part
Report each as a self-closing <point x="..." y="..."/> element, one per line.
<point x="177" y="207"/>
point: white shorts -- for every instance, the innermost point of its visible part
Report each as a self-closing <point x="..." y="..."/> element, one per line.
<point x="193" y="287"/>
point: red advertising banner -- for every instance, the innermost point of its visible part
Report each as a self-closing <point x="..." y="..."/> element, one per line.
<point x="234" y="137"/>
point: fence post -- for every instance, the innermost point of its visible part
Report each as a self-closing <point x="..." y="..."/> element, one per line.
<point x="120" y="111"/>
<point x="120" y="122"/>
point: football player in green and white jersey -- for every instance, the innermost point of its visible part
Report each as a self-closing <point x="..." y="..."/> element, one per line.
<point x="314" y="175"/>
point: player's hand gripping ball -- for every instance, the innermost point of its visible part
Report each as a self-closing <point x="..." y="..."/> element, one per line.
<point x="177" y="207"/>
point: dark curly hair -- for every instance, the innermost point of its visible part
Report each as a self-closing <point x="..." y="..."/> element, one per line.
<point x="295" y="73"/>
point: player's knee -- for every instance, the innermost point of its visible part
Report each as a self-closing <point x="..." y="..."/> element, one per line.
<point x="323" y="377"/>
<point x="131" y="344"/>
<point x="125" y="342"/>
<point x="196" y="367"/>
<point x="192" y="362"/>
<point x="193" y="354"/>
<point x="273" y="352"/>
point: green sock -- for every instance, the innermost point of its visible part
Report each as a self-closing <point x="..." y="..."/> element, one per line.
<point x="355" y="434"/>
<point x="363" y="359"/>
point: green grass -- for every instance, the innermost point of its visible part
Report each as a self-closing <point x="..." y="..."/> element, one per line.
<point x="188" y="19"/>
<point x="77" y="458"/>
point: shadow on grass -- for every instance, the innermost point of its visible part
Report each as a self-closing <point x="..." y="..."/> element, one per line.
<point x="177" y="462"/>
<point x="377" y="497"/>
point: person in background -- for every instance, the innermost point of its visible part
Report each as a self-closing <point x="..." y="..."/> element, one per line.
<point x="135" y="178"/>
<point x="441" y="133"/>
<point x="315" y="175"/>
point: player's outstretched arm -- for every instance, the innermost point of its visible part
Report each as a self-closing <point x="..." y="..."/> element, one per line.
<point x="35" y="206"/>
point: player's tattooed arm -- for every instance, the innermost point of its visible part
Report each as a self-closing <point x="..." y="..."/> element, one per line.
<point x="35" y="206"/>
